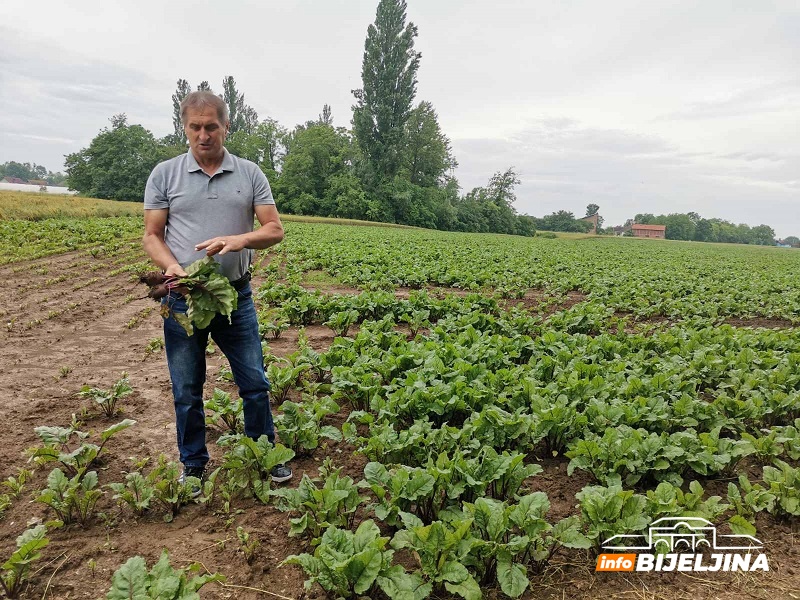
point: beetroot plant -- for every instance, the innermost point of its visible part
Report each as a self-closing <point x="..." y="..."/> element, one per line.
<point x="15" y="571"/>
<point x="206" y="290"/>
<point x="107" y="399"/>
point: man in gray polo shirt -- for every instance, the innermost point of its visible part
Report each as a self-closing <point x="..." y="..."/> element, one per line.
<point x="203" y="203"/>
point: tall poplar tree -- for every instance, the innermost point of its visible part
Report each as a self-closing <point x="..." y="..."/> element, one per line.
<point x="428" y="157"/>
<point x="389" y="79"/>
<point x="242" y="117"/>
<point x="183" y="90"/>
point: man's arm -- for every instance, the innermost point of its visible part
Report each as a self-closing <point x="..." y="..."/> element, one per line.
<point x="269" y="234"/>
<point x="155" y="223"/>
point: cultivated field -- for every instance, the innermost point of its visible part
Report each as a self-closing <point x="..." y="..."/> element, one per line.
<point x="496" y="406"/>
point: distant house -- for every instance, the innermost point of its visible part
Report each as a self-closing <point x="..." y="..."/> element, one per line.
<point x="649" y="231"/>
<point x="38" y="182"/>
<point x="593" y="221"/>
<point x="13" y="180"/>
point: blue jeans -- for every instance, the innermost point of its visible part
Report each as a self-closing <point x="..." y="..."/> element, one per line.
<point x="186" y="357"/>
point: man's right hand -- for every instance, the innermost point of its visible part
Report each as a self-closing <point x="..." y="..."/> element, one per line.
<point x="175" y="270"/>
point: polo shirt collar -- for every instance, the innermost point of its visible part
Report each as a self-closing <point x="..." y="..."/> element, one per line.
<point x="227" y="162"/>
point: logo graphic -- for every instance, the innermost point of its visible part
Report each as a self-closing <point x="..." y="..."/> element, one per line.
<point x="682" y="544"/>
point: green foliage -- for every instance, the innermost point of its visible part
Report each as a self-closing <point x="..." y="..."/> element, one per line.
<point x="249" y="463"/>
<point x="609" y="511"/>
<point x="242" y="117"/>
<point x="444" y="482"/>
<point x="108" y="399"/>
<point x="416" y="320"/>
<point x="412" y="445"/>
<point x="273" y="323"/>
<point x="59" y="445"/>
<point x="562" y="220"/>
<point x="631" y="453"/>
<point x="748" y="499"/>
<point x="248" y="544"/>
<point x="389" y="82"/>
<point x="779" y="440"/>
<point x="691" y="226"/>
<point x="427" y="156"/>
<point x="154" y="345"/>
<point x="164" y="582"/>
<point x="16" y="484"/>
<point x="116" y="164"/>
<point x="669" y="500"/>
<point x="784" y="483"/>
<point x="161" y="486"/>
<point x="341" y="322"/>
<point x="29" y="171"/>
<point x="333" y="504"/>
<point x="137" y="492"/>
<point x="15" y="571"/>
<point x="491" y="208"/>
<point x="25" y="239"/>
<point x="349" y="564"/>
<point x="183" y="89"/>
<point x="625" y="452"/>
<point x="264" y="145"/>
<point x="282" y="379"/>
<point x="71" y="499"/>
<point x="225" y="413"/>
<point x="300" y="425"/>
<point x="210" y="293"/>
<point x="709" y="453"/>
<point x="316" y="178"/>
<point x="441" y="551"/>
<point x="512" y="538"/>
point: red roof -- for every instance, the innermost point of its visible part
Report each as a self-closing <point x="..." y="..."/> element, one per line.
<point x="650" y="227"/>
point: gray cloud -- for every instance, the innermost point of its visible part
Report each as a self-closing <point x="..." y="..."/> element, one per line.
<point x="670" y="105"/>
<point x="627" y="173"/>
<point x="55" y="102"/>
<point x="781" y="96"/>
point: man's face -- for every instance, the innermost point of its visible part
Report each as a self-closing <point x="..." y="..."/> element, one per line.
<point x="205" y="132"/>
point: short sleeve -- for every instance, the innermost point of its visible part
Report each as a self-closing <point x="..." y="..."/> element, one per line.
<point x="155" y="196"/>
<point x="262" y="193"/>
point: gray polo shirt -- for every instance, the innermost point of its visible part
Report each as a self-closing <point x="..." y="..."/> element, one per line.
<point x="203" y="207"/>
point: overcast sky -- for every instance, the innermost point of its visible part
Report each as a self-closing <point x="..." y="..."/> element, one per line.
<point x="660" y="106"/>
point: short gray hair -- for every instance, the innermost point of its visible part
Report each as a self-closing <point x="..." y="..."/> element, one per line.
<point x="201" y="99"/>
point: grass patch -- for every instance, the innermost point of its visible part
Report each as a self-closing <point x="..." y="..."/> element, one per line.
<point x="30" y="206"/>
<point x="319" y="278"/>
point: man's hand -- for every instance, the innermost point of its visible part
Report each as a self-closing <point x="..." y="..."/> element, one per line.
<point x="223" y="245"/>
<point x="175" y="270"/>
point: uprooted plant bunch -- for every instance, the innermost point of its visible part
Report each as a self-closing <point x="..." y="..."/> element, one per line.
<point x="206" y="290"/>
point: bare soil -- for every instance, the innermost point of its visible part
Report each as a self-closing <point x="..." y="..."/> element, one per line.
<point x="61" y="330"/>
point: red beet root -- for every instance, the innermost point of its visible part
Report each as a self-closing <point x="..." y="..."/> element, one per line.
<point x="159" y="291"/>
<point x="153" y="278"/>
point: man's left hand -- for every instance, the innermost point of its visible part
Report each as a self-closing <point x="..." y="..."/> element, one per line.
<point x="222" y="245"/>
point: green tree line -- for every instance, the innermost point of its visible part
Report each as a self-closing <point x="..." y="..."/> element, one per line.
<point x="28" y="171"/>
<point x="691" y="226"/>
<point x="395" y="164"/>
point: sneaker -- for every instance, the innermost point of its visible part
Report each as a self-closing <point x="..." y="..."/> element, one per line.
<point x="199" y="473"/>
<point x="281" y="473"/>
